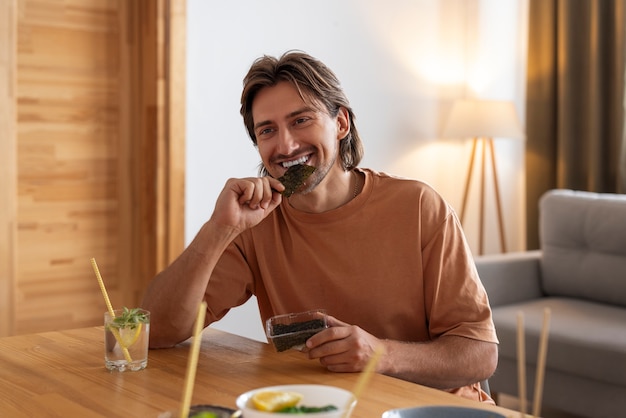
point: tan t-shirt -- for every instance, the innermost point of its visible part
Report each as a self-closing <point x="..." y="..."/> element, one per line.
<point x="393" y="261"/>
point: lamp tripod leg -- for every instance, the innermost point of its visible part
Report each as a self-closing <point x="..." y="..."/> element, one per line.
<point x="497" y="192"/>
<point x="468" y="179"/>
<point x="481" y="235"/>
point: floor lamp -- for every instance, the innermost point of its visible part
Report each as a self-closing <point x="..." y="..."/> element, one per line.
<point x="483" y="120"/>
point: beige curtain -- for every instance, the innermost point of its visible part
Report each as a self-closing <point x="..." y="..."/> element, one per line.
<point x="575" y="111"/>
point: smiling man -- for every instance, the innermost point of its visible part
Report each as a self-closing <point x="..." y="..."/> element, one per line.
<point x="384" y="256"/>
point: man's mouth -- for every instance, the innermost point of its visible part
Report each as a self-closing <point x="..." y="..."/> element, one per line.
<point x="301" y="160"/>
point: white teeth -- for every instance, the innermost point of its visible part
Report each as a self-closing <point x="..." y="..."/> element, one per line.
<point x="300" y="160"/>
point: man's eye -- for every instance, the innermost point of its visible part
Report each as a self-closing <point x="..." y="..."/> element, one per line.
<point x="265" y="131"/>
<point x="300" y="121"/>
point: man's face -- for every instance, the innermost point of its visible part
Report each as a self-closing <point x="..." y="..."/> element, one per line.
<point x="289" y="131"/>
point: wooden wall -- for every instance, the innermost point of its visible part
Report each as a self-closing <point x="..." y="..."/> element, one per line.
<point x="94" y="167"/>
<point x="8" y="164"/>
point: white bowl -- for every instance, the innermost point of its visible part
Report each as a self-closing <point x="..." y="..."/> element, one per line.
<point x="312" y="395"/>
<point x="441" y="412"/>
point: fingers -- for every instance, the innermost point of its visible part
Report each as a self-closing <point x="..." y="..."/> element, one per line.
<point x="344" y="355"/>
<point x="339" y="348"/>
<point x="276" y="185"/>
<point x="259" y="192"/>
<point x="342" y="347"/>
<point x="334" y="333"/>
<point x="334" y="322"/>
<point x="243" y="203"/>
<point x="332" y="348"/>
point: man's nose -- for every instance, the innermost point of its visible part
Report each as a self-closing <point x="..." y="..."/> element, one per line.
<point x="286" y="142"/>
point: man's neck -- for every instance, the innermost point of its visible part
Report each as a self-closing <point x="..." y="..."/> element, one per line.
<point x="334" y="191"/>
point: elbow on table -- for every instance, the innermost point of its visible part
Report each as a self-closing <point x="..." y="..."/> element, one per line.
<point x="167" y="327"/>
<point x="166" y="334"/>
<point x="483" y="365"/>
<point x="161" y="339"/>
<point x="491" y="359"/>
<point x="156" y="343"/>
<point x="481" y="360"/>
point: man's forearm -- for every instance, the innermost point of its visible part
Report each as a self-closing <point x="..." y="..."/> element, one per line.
<point x="174" y="294"/>
<point x="449" y="362"/>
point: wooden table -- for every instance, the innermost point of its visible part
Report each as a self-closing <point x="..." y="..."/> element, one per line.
<point x="62" y="374"/>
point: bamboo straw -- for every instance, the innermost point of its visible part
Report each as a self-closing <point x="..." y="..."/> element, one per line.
<point x="364" y="378"/>
<point x="107" y="301"/>
<point x="521" y="363"/>
<point x="192" y="363"/>
<point x="541" y="361"/>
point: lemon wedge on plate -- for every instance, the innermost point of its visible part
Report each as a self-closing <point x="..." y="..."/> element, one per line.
<point x="129" y="335"/>
<point x="272" y="401"/>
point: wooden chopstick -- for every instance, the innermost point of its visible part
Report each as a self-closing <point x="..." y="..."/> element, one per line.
<point x="541" y="362"/>
<point x="521" y="363"/>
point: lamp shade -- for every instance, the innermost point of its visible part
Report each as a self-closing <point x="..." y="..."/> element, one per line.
<point x="483" y="118"/>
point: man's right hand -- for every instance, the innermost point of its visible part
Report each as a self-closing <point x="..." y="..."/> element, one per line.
<point x="243" y="203"/>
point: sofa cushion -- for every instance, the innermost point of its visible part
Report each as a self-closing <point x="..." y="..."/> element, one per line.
<point x="585" y="338"/>
<point x="583" y="239"/>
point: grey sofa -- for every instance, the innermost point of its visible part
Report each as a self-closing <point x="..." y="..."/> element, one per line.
<point x="580" y="274"/>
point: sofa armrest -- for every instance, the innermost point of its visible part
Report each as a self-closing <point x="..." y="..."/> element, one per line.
<point x="510" y="277"/>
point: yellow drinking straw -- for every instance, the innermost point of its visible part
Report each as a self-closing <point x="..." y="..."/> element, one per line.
<point x="111" y="312"/>
<point x="541" y="361"/>
<point x="192" y="363"/>
<point x="521" y="364"/>
<point x="364" y="378"/>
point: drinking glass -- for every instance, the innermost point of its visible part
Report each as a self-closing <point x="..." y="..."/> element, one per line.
<point x="126" y="340"/>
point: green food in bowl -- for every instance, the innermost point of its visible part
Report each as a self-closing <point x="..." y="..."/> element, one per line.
<point x="204" y="414"/>
<point x="303" y="409"/>
<point x="210" y="411"/>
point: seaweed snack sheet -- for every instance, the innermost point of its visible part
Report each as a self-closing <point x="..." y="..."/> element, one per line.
<point x="295" y="177"/>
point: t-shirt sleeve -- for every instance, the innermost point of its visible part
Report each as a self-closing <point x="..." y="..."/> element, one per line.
<point x="456" y="301"/>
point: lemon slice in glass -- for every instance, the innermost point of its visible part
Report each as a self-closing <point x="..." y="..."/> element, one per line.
<point x="129" y="335"/>
<point x="272" y="401"/>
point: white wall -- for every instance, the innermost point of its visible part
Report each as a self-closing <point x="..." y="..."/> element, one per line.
<point x="402" y="64"/>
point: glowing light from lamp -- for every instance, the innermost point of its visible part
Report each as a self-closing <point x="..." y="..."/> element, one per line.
<point x="441" y="61"/>
<point x="483" y="118"/>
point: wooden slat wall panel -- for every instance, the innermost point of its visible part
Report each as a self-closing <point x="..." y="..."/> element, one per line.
<point x="92" y="163"/>
<point x="134" y="159"/>
<point x="153" y="59"/>
<point x="8" y="165"/>
<point x="174" y="177"/>
<point x="68" y="115"/>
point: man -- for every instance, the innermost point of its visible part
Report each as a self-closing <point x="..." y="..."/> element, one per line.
<point x="384" y="256"/>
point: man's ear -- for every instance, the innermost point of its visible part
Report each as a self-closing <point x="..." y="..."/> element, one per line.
<point x="343" y="123"/>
